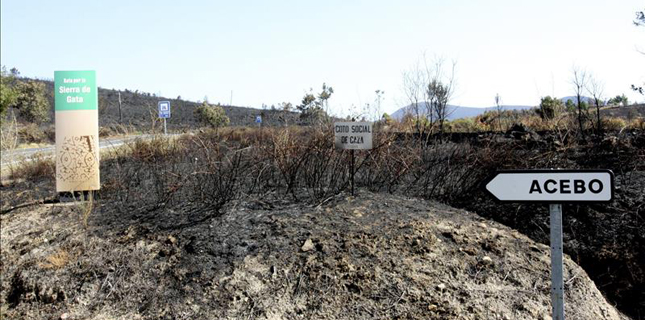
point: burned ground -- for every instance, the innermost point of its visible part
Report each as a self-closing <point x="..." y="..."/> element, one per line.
<point x="373" y="256"/>
<point x="186" y="200"/>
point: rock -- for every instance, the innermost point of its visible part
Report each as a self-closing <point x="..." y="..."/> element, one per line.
<point x="171" y="240"/>
<point x="441" y="287"/>
<point x="487" y="260"/>
<point x="308" y="245"/>
<point x="64" y="316"/>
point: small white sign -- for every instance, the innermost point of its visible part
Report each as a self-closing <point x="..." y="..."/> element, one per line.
<point x="353" y="135"/>
<point x="164" y="109"/>
<point x="552" y="186"/>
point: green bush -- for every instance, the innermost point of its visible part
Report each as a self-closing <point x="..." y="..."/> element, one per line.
<point x="32" y="133"/>
<point x="550" y="107"/>
<point x="467" y="125"/>
<point x="213" y="116"/>
<point x="8" y="93"/>
<point x="32" y="104"/>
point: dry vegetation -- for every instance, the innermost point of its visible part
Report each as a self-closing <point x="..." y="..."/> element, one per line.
<point x="198" y="177"/>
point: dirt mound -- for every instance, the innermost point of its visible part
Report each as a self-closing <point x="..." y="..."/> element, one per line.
<point x="376" y="256"/>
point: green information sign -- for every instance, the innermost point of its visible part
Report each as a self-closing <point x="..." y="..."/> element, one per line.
<point x="75" y="90"/>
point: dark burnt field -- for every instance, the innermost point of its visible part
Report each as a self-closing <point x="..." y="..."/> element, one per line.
<point x="202" y="175"/>
<point x="607" y="240"/>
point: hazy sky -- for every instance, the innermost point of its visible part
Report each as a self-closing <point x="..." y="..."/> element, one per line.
<point x="274" y="51"/>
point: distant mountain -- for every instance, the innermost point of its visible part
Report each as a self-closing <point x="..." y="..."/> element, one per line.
<point x="456" y="112"/>
<point x="574" y="99"/>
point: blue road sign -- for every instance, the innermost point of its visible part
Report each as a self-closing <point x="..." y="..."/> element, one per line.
<point x="258" y="119"/>
<point x="164" y="109"/>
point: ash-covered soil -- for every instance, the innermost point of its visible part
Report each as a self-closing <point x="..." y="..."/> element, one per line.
<point x="376" y="256"/>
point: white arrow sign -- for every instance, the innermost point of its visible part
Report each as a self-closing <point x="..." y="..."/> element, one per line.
<point x="552" y="186"/>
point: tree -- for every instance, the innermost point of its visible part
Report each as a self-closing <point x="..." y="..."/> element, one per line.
<point x="214" y="116"/>
<point x="430" y="87"/>
<point x="8" y="93"/>
<point x="31" y="102"/>
<point x="570" y="106"/>
<point x="311" y="107"/>
<point x="414" y="87"/>
<point x="549" y="107"/>
<point x="579" y="81"/>
<point x="639" y="22"/>
<point x="386" y="118"/>
<point x="439" y="91"/>
<point x="308" y="103"/>
<point x="619" y="100"/>
<point x="324" y="95"/>
<point x="596" y="90"/>
<point x="286" y="106"/>
<point x="499" y="108"/>
<point x="379" y="97"/>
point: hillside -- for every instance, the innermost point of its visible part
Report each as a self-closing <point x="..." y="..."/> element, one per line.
<point x="455" y="112"/>
<point x="375" y="256"/>
<point x="139" y="109"/>
<point x="624" y="112"/>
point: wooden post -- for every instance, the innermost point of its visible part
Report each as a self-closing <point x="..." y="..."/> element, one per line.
<point x="120" y="114"/>
<point x="351" y="167"/>
<point x="351" y="170"/>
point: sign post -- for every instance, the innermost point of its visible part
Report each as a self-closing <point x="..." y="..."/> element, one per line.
<point x="258" y="120"/>
<point x="352" y="136"/>
<point x="557" y="280"/>
<point x="164" y="113"/>
<point x="77" y="131"/>
<point x="553" y="187"/>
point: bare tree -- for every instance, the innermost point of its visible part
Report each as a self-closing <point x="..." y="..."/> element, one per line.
<point x="639" y="22"/>
<point x="324" y="96"/>
<point x="439" y="90"/>
<point x="579" y="81"/>
<point x="429" y="87"/>
<point x="379" y="97"/>
<point x="596" y="89"/>
<point x="413" y="88"/>
<point x="499" y="108"/>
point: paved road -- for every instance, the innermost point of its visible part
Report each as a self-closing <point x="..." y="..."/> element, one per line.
<point x="17" y="156"/>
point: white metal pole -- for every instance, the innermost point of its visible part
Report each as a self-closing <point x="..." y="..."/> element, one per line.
<point x="557" y="281"/>
<point x="164" y="126"/>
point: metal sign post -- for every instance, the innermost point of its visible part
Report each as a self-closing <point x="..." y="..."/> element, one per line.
<point x="164" y="113"/>
<point x="553" y="187"/>
<point x="557" y="281"/>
